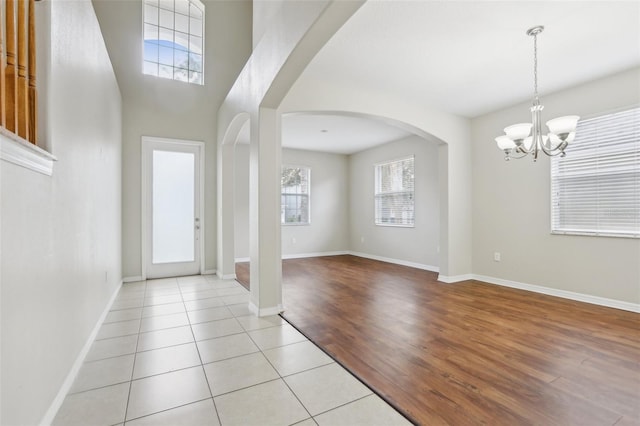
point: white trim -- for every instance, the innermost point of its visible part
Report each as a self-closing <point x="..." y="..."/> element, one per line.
<point x="16" y="150"/>
<point x="75" y="368"/>
<point x="580" y="297"/>
<point x="210" y="272"/>
<point x="319" y="254"/>
<point x="396" y="261"/>
<point x="132" y="279"/>
<point x="299" y="255"/>
<point x="454" y="278"/>
<point x="226" y="277"/>
<point x="265" y="312"/>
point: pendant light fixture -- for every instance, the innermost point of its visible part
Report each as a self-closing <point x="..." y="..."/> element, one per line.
<point x="522" y="139"/>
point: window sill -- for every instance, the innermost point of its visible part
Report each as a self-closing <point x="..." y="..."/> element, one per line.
<point x="16" y="150"/>
<point x="596" y="234"/>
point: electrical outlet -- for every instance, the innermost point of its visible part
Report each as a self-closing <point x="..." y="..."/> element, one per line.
<point x="362" y="239"/>
<point x="293" y="240"/>
<point x="496" y="256"/>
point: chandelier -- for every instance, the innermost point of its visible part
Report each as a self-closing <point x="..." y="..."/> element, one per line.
<point x="527" y="138"/>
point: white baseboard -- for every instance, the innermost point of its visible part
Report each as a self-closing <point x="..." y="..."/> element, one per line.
<point x="454" y="278"/>
<point x="75" y="368"/>
<point x="580" y="297"/>
<point x="319" y="254"/>
<point x="132" y="279"/>
<point x="265" y="312"/>
<point x="210" y="272"/>
<point x="226" y="277"/>
<point x="396" y="261"/>
<point x="299" y="255"/>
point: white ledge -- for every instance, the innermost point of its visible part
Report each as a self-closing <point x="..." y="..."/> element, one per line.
<point x="16" y="150"/>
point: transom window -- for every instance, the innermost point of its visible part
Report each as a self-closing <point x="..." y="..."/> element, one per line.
<point x="394" y="201"/>
<point x="295" y="183"/>
<point x="595" y="189"/>
<point x="174" y="39"/>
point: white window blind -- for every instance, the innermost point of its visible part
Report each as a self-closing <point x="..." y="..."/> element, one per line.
<point x="394" y="182"/>
<point x="595" y="189"/>
<point x="295" y="182"/>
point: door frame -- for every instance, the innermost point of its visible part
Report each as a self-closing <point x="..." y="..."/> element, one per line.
<point x="147" y="142"/>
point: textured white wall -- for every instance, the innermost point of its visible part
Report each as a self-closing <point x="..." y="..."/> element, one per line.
<point x="61" y="240"/>
<point x="511" y="206"/>
<point x="418" y="244"/>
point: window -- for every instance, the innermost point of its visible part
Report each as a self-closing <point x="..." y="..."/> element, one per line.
<point x="295" y="195"/>
<point x="595" y="189"/>
<point x="394" y="193"/>
<point x="173" y="39"/>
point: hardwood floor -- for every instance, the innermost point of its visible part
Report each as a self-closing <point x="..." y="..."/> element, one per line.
<point x="242" y="274"/>
<point x="467" y="353"/>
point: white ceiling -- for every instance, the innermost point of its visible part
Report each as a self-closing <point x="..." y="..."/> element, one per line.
<point x="463" y="57"/>
<point x="339" y="134"/>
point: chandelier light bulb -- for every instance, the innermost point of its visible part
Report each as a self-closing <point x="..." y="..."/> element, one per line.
<point x="518" y="131"/>
<point x="563" y="125"/>
<point x="505" y="142"/>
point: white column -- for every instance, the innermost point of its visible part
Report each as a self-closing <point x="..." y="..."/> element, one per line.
<point x="226" y="250"/>
<point x="264" y="212"/>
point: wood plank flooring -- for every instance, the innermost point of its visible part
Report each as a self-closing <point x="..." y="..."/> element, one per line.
<point x="468" y="353"/>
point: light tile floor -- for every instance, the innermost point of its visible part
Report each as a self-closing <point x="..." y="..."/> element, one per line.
<point x="187" y="351"/>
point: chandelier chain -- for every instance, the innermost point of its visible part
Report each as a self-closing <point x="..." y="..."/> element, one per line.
<point x="535" y="65"/>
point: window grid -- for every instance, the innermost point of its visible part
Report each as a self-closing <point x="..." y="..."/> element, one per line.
<point x="595" y="189"/>
<point x="295" y="186"/>
<point x="394" y="193"/>
<point x="174" y="39"/>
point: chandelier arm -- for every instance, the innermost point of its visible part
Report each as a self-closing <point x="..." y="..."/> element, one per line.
<point x="514" y="150"/>
<point x="548" y="151"/>
<point x="558" y="150"/>
<point x="555" y="153"/>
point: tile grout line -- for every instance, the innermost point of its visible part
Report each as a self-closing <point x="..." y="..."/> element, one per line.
<point x="311" y="369"/>
<point x="135" y="355"/>
<point x="167" y="409"/>
<point x="195" y="343"/>
<point x="280" y="376"/>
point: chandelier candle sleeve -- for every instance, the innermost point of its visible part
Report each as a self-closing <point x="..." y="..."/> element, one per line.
<point x="522" y="139"/>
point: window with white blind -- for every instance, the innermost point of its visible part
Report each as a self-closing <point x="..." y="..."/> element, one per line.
<point x="174" y="39"/>
<point x="595" y="189"/>
<point x="394" y="200"/>
<point x="295" y="183"/>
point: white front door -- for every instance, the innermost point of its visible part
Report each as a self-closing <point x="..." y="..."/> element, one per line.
<point x="172" y="219"/>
